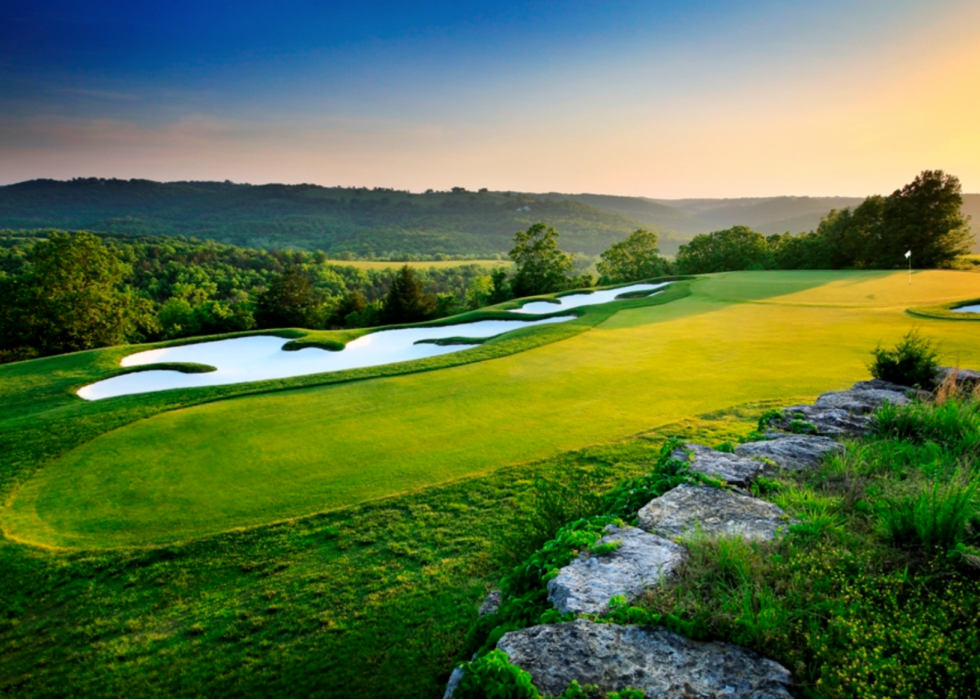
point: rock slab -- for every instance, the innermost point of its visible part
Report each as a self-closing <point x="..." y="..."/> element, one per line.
<point x="491" y="604"/>
<point x="846" y="413"/>
<point x="796" y="452"/>
<point x="588" y="583"/>
<point x="730" y="468"/>
<point x="716" y="512"/>
<point x="653" y="659"/>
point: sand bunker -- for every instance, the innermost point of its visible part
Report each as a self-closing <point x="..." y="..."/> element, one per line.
<point x="592" y="298"/>
<point x="261" y="357"/>
<point x="967" y="309"/>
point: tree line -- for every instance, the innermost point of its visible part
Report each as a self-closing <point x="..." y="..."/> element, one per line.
<point x="923" y="217"/>
<point x="63" y="292"/>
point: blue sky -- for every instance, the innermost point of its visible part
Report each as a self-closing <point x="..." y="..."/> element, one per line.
<point x="661" y="99"/>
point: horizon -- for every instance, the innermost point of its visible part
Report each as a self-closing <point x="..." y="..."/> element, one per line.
<point x="678" y="101"/>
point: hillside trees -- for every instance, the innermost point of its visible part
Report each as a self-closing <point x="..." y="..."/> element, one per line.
<point x="736" y="248"/>
<point x="290" y="301"/>
<point x="637" y="257"/>
<point x="406" y="301"/>
<point x="541" y="267"/>
<point x="72" y="297"/>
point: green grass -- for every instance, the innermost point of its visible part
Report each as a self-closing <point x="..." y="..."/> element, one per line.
<point x="260" y="458"/>
<point x="945" y="311"/>
<point x="372" y="600"/>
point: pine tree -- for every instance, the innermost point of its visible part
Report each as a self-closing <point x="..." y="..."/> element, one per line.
<point x="406" y="301"/>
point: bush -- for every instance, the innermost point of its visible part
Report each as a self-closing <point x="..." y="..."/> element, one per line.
<point x="911" y="362"/>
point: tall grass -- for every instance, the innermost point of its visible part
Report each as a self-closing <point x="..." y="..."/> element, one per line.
<point x="953" y="424"/>
<point x="936" y="517"/>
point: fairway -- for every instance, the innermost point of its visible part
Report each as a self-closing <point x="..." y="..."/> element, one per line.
<point x="739" y="337"/>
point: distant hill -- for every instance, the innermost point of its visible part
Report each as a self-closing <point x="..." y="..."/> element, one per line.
<point x="307" y="217"/>
<point x="386" y="222"/>
<point x="971" y="207"/>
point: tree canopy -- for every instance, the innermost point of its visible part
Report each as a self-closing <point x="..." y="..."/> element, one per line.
<point x="407" y="301"/>
<point x="637" y="257"/>
<point x="735" y="248"/>
<point x="541" y="267"/>
<point x="70" y="298"/>
<point x="290" y="301"/>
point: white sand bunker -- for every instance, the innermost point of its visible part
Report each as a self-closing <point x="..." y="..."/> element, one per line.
<point x="589" y="298"/>
<point x="261" y="357"/>
<point x="967" y="309"/>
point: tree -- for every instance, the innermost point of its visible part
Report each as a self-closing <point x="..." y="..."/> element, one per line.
<point x="71" y="298"/>
<point x="637" y="257"/>
<point x="406" y="300"/>
<point x="736" y="248"/>
<point x="541" y="267"/>
<point x="924" y="217"/>
<point x="290" y="301"/>
<point x="351" y="302"/>
<point x="501" y="287"/>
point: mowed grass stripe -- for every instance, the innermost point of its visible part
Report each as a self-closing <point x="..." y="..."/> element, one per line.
<point x="257" y="459"/>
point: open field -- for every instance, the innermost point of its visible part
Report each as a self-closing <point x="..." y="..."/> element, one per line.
<point x="255" y="459"/>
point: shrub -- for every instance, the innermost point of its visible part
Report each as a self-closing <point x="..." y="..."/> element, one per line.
<point x="913" y="361"/>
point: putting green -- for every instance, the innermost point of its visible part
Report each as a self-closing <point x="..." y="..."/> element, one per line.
<point x="739" y="337"/>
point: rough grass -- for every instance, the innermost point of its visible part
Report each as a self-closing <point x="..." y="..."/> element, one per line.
<point x="373" y="600"/>
<point x="243" y="462"/>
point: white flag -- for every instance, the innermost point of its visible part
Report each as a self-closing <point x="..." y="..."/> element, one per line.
<point x="908" y="254"/>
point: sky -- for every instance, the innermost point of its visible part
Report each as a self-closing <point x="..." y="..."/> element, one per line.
<point x="660" y="99"/>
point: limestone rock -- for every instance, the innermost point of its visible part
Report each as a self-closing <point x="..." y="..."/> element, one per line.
<point x="792" y="451"/>
<point x="716" y="512"/>
<point x="653" y="659"/>
<point x="454" y="680"/>
<point x="491" y="604"/>
<point x="733" y="469"/>
<point x="832" y="422"/>
<point x="586" y="584"/>
<point x="865" y="397"/>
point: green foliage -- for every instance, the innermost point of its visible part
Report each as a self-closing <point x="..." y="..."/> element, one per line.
<point x="635" y="258"/>
<point x="626" y="499"/>
<point x="735" y="248"/>
<point x="913" y="361"/>
<point x="491" y="676"/>
<point x="954" y="424"/>
<point x="541" y="268"/>
<point x="406" y="301"/>
<point x="291" y="301"/>
<point x="72" y="297"/>
<point x="936" y="516"/>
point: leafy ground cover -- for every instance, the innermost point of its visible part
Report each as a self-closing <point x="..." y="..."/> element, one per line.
<point x="255" y="459"/>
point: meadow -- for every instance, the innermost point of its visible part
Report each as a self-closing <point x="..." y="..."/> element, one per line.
<point x="313" y="537"/>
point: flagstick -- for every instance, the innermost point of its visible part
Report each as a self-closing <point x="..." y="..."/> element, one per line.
<point x="910" y="270"/>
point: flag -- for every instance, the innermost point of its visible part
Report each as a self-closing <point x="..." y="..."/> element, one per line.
<point x="908" y="254"/>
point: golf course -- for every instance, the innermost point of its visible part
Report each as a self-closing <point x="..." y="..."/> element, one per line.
<point x="182" y="474"/>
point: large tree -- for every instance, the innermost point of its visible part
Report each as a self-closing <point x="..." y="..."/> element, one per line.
<point x="637" y="257"/>
<point x="924" y="216"/>
<point x="291" y="301"/>
<point x="541" y="267"/>
<point x="71" y="298"/>
<point x="735" y="248"/>
<point x="406" y="300"/>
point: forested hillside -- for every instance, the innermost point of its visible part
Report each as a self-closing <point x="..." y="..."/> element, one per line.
<point x="377" y="222"/>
